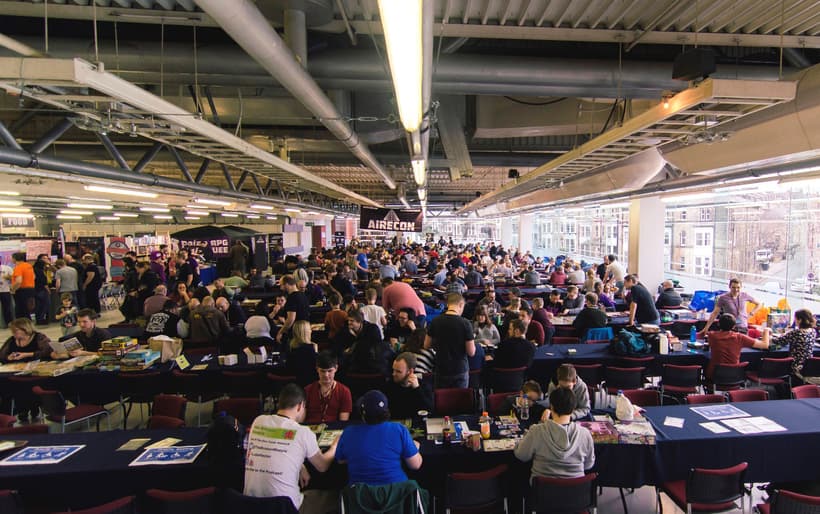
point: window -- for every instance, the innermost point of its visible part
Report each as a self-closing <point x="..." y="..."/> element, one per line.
<point x="682" y="263"/>
<point x="667" y="237"/>
<point x="683" y="215"/>
<point x="705" y="214"/>
<point x="682" y="236"/>
<point x="703" y="266"/>
<point x="703" y="237"/>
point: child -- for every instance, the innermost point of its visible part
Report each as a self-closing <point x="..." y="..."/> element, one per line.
<point x="374" y="313"/>
<point x="67" y="315"/>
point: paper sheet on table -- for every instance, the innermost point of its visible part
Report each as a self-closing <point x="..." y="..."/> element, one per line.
<point x="715" y="428"/>
<point x="133" y="444"/>
<point x="172" y="455"/>
<point x="673" y="422"/>
<point x="754" y="425"/>
<point x="164" y="443"/>
<point x="719" y="411"/>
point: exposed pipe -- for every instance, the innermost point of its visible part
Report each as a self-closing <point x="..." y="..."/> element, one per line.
<point x="112" y="150"/>
<point x="242" y="20"/>
<point x="148" y="157"/>
<point x="296" y="34"/>
<point x="8" y="138"/>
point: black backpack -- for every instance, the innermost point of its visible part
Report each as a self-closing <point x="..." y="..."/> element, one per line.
<point x="628" y="344"/>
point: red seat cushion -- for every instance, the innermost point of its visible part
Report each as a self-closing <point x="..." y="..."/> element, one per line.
<point x="679" y="389"/>
<point x="677" y="491"/>
<point x="763" y="508"/>
<point x="754" y="377"/>
<point x="81" y="411"/>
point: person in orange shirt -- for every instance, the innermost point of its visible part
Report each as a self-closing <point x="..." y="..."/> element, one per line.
<point x="22" y="286"/>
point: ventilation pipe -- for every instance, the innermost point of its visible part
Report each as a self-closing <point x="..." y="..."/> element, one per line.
<point x="243" y="21"/>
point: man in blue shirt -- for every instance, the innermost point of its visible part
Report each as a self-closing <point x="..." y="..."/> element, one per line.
<point x="362" y="264"/>
<point x="374" y="451"/>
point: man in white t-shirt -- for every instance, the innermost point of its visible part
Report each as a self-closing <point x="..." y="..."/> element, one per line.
<point x="615" y="273"/>
<point x="278" y="447"/>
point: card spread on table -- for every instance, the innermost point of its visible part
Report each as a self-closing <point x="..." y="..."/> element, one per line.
<point x="199" y="367"/>
<point x="714" y="427"/>
<point x="673" y="422"/>
<point x="172" y="455"/>
<point x="328" y="436"/>
<point x="133" y="444"/>
<point x="719" y="411"/>
<point x="7" y="445"/>
<point x="164" y="443"/>
<point x="42" y="455"/>
<point x="499" y="445"/>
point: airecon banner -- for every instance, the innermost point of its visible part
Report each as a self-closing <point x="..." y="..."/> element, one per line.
<point x="390" y="219"/>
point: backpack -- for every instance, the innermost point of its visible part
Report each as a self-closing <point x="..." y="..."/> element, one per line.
<point x="628" y="344"/>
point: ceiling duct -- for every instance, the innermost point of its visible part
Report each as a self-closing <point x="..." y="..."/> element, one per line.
<point x="790" y="128"/>
<point x="127" y="108"/>
<point x="727" y="100"/>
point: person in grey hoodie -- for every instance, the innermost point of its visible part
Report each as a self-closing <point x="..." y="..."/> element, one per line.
<point x="559" y="447"/>
<point x="567" y="377"/>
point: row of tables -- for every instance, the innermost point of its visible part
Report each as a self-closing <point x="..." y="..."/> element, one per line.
<point x="99" y="472"/>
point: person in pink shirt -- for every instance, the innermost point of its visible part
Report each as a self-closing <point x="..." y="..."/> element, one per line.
<point x="397" y="295"/>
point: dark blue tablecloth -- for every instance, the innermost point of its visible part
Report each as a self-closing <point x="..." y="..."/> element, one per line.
<point x="792" y="455"/>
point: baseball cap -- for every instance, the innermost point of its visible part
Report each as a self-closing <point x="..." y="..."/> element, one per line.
<point x="156" y="254"/>
<point x="373" y="402"/>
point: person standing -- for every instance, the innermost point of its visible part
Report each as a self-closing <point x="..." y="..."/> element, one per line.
<point x="78" y="267"/>
<point x="42" y="293"/>
<point x="22" y="285"/>
<point x="66" y="280"/>
<point x="239" y="256"/>
<point x="734" y="303"/>
<point x="5" y="293"/>
<point x="615" y="273"/>
<point x="451" y="336"/>
<point x="92" y="283"/>
<point x="641" y="305"/>
<point x="296" y="306"/>
<point x="278" y="445"/>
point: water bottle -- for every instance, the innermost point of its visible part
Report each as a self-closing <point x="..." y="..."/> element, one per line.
<point x="484" y="424"/>
<point x="664" y="343"/>
<point x="693" y="334"/>
<point x="623" y="408"/>
<point x="447" y="430"/>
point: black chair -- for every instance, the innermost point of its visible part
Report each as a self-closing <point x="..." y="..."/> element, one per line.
<point x="562" y="495"/>
<point x="772" y="372"/>
<point x="201" y="501"/>
<point x="811" y="369"/>
<point x="138" y="388"/>
<point x="788" y="502"/>
<point x="728" y="377"/>
<point x="475" y="493"/>
<point x="593" y="376"/>
<point x="616" y="378"/>
<point x="454" y="400"/>
<point x="242" y="384"/>
<point x="707" y="490"/>
<point x="54" y="405"/>
<point x="507" y="379"/>
<point x="234" y="501"/>
<point x="679" y="381"/>
<point x="10" y="502"/>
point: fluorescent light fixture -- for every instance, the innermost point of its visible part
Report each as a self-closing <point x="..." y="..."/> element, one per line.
<point x="9" y="193"/>
<point x="163" y="217"/>
<point x="155" y="209"/>
<point x="15" y="209"/>
<point x="618" y="205"/>
<point x="270" y="217"/>
<point x="92" y="206"/>
<point x="126" y="214"/>
<point x="11" y="203"/>
<point x="422" y="193"/>
<point x="687" y="197"/>
<point x="14" y="215"/>
<point x="198" y="213"/>
<point x="261" y="206"/>
<point x="252" y="216"/>
<point x="81" y="213"/>
<point x="401" y="20"/>
<point x="230" y="215"/>
<point x="68" y="217"/>
<point x="206" y="201"/>
<point x="108" y="218"/>
<point x="162" y="204"/>
<point x="191" y="217"/>
<point x="747" y="188"/>
<point x="312" y="213"/>
<point x="419" y="171"/>
<point x="86" y="199"/>
<point x="119" y="191"/>
<point x="329" y="215"/>
<point x="292" y="209"/>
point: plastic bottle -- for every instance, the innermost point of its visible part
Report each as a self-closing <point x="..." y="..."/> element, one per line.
<point x="447" y="430"/>
<point x="623" y="408"/>
<point x="664" y="343"/>
<point x="484" y="423"/>
<point x="693" y="334"/>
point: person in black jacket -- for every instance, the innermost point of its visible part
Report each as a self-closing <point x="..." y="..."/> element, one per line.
<point x="368" y="353"/>
<point x="515" y="351"/>
<point x="589" y="317"/>
<point x="406" y="392"/>
<point x="42" y="295"/>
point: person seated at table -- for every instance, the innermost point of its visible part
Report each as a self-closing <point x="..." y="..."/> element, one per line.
<point x="232" y="310"/>
<point x="558" y="277"/>
<point x="473" y="277"/>
<point x="573" y="303"/>
<point x="301" y="354"/>
<point x="514" y="293"/>
<point x="257" y="333"/>
<point x="554" y="305"/>
<point x="90" y="335"/>
<point x="278" y="445"/>
<point x="349" y="303"/>
<point x="514" y="351"/>
<point x="531" y="390"/>
<point x="220" y="291"/>
<point x="440" y="276"/>
<point x="489" y="301"/>
<point x="25" y="344"/>
<point x="409" y="267"/>
<point x="342" y="283"/>
<point x="406" y="391"/>
<point x="181" y="295"/>
<point x="366" y="352"/>
<point x="400" y="330"/>
<point x="236" y="282"/>
<point x="486" y="334"/>
<point x="425" y="357"/>
<point x="208" y="325"/>
<point x="335" y="318"/>
<point x="604" y="298"/>
<point x="454" y="283"/>
<point x="668" y="297"/>
<point x="801" y="340"/>
<point x="590" y="280"/>
<point x="156" y="302"/>
<point x="165" y="322"/>
<point x="327" y="399"/>
<point x="530" y="276"/>
<point x="576" y="276"/>
<point x="375" y="450"/>
<point x="558" y="447"/>
<point x="725" y="344"/>
<point x="566" y="376"/>
<point x="543" y="317"/>
<point x="256" y="280"/>
<point x="534" y="331"/>
<point x="591" y="316"/>
<point x="509" y="313"/>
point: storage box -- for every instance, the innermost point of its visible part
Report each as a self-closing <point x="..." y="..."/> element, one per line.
<point x="603" y="432"/>
<point x="635" y="432"/>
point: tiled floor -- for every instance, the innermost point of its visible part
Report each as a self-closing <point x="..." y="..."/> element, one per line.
<point x="641" y="501"/>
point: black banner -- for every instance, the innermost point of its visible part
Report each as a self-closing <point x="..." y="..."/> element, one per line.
<point x="393" y="220"/>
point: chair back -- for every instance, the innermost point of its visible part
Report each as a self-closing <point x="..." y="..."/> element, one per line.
<point x="40" y="428"/>
<point x="157" y="422"/>
<point x="244" y="409"/>
<point x="496" y="403"/>
<point x="169" y="405"/>
<point x="591" y="374"/>
<point x="623" y="378"/>
<point x="729" y="376"/>
<point x="126" y="505"/>
<point x="562" y="495"/>
<point x="200" y="501"/>
<point x="787" y="502"/>
<point x="140" y="387"/>
<point x="454" y="400"/>
<point x="234" y="501"/>
<point x="805" y="391"/>
<point x="715" y="486"/>
<point x="700" y="399"/>
<point x="10" y="502"/>
<point x="748" y="395"/>
<point x="507" y="379"/>
<point x="241" y="383"/>
<point x="53" y="402"/>
<point x="775" y="368"/>
<point x="644" y="397"/>
<point x="681" y="376"/>
<point x="480" y="490"/>
<point x="811" y="367"/>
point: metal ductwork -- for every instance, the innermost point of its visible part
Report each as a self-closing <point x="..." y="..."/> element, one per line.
<point x="790" y="128"/>
<point x="356" y="70"/>
<point x="243" y="21"/>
